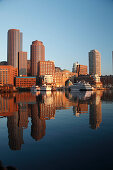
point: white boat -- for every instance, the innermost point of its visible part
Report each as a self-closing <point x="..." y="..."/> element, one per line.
<point x="45" y="88"/>
<point x="35" y="88"/>
<point x="79" y="86"/>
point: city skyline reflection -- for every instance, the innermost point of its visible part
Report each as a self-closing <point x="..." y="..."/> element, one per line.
<point x="41" y="107"/>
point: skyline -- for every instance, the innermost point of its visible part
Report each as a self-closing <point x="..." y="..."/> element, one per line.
<point x="68" y="30"/>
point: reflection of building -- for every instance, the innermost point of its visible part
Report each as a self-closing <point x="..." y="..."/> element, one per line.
<point x="94" y="62"/>
<point x="23" y="115"/>
<point x="47" y="109"/>
<point x="7" y="106"/>
<point x="25" y="98"/>
<point x="80" y="108"/>
<point x="15" y="133"/>
<point x="25" y="82"/>
<point x="38" y="126"/>
<point x="95" y="112"/>
<point x="14" y="46"/>
<point x="22" y="63"/>
<point x="7" y="74"/>
<point x="37" y="54"/>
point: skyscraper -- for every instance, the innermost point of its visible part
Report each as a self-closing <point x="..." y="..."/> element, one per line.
<point x="14" y="46"/>
<point x="94" y="62"/>
<point x="37" y="54"/>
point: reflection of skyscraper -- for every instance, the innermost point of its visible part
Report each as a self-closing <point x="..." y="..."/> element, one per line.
<point x="23" y="115"/>
<point x="14" y="46"/>
<point x="38" y="126"/>
<point x="37" y="54"/>
<point x="15" y="133"/>
<point x="94" y="62"/>
<point x="95" y="112"/>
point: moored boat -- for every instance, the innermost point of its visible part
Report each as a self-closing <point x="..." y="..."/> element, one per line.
<point x="45" y="88"/>
<point x="79" y="86"/>
<point x="35" y="88"/>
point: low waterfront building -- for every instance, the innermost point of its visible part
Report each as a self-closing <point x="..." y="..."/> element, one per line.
<point x="7" y="75"/>
<point x="62" y="76"/>
<point x="25" y="82"/>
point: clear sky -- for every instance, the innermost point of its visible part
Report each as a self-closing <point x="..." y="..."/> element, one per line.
<point x="69" y="29"/>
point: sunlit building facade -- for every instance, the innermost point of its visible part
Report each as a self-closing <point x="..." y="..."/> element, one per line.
<point x="37" y="54"/>
<point x="14" y="46"/>
<point x="25" y="82"/>
<point x="94" y="62"/>
<point x="7" y="75"/>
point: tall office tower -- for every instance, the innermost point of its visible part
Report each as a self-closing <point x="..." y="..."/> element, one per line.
<point x="37" y="54"/>
<point x="94" y="62"/>
<point x="14" y="46"/>
<point x="22" y="63"/>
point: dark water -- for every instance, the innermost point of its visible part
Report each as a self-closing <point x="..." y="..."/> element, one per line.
<point x="56" y="131"/>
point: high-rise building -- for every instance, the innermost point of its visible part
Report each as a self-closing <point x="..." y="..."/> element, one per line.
<point x="22" y="63"/>
<point x="94" y="62"/>
<point x="14" y="46"/>
<point x="37" y="54"/>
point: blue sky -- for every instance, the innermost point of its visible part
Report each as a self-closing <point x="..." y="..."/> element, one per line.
<point x="69" y="29"/>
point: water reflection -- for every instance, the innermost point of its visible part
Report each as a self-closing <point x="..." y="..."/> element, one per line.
<point x="40" y="107"/>
<point x="95" y="111"/>
<point x="6" y="168"/>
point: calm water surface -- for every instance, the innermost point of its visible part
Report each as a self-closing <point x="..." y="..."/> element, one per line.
<point x="57" y="130"/>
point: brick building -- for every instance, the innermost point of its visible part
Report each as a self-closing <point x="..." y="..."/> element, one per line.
<point x="25" y="82"/>
<point x="61" y="76"/>
<point x="46" y="72"/>
<point x="81" y="69"/>
<point x="7" y="74"/>
<point x="46" y="68"/>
